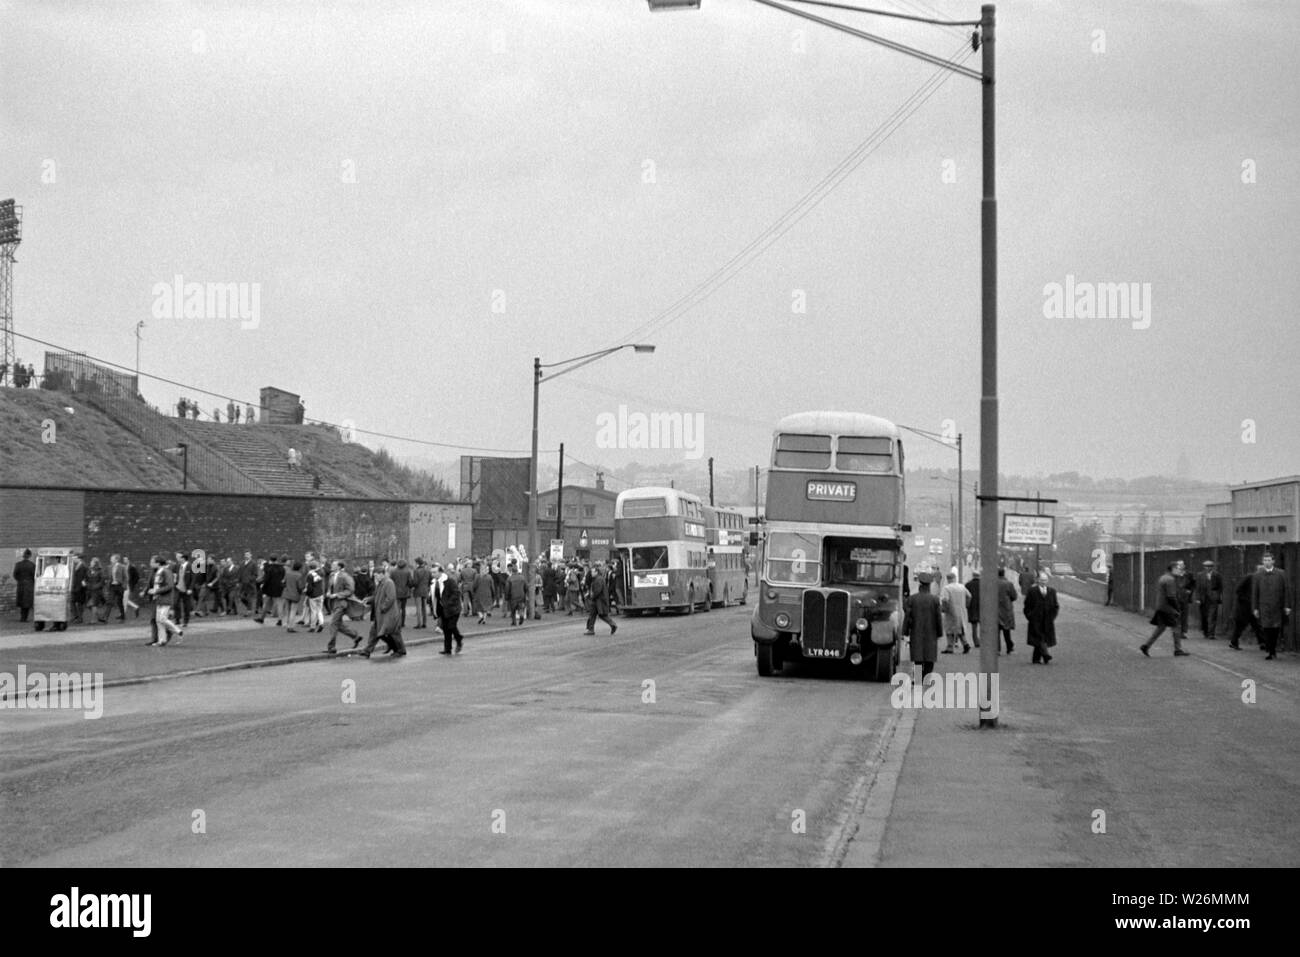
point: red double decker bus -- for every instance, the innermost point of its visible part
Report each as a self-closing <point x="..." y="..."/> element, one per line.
<point x="832" y="574"/>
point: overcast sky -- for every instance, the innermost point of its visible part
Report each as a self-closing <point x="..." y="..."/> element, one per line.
<point x="427" y="195"/>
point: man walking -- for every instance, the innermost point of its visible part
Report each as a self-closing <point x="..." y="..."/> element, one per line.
<point x="1209" y="596"/>
<point x="1243" y="614"/>
<point x="952" y="603"/>
<point x="25" y="582"/>
<point x="340" y="591"/>
<point x="447" y="604"/>
<point x="598" y="601"/>
<point x="421" y="580"/>
<point x="1041" y="608"/>
<point x="1168" y="611"/>
<point x="1270" y="603"/>
<point x="517" y="595"/>
<point x="922" y="624"/>
<point x="1006" y="609"/>
<point x="163" y="592"/>
<point x="117" y="579"/>
<point x="400" y="577"/>
<point x="248" y="584"/>
<point x="387" y="622"/>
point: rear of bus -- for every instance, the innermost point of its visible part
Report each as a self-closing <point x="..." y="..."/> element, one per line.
<point x="659" y="533"/>
<point x="727" y="543"/>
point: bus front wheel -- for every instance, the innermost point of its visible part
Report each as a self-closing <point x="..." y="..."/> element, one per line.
<point x="768" y="662"/>
<point x="690" y="602"/>
<point x="883" y="667"/>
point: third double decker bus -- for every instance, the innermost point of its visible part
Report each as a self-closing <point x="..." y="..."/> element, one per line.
<point x="659" y="534"/>
<point x="832" y="576"/>
<point x="727" y="536"/>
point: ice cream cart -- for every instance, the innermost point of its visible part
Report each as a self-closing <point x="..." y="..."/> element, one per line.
<point x="53" y="588"/>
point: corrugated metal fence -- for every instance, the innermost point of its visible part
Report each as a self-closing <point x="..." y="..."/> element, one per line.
<point x="1136" y="575"/>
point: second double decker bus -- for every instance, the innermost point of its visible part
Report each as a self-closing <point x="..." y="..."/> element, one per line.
<point x="832" y="577"/>
<point x="659" y="534"/>
<point x="727" y="537"/>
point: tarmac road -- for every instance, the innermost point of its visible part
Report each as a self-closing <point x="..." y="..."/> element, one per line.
<point x="538" y="745"/>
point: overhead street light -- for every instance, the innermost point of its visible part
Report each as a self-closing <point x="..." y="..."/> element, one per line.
<point x="988" y="502"/>
<point x="561" y="367"/>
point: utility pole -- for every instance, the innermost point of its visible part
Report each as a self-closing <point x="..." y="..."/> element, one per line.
<point x="710" y="479"/>
<point x="559" y="499"/>
<point x="961" y="541"/>
<point x="755" y="497"/>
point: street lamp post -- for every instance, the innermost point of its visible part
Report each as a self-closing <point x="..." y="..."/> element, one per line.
<point x="185" y="465"/>
<point x="988" y="502"/>
<point x="538" y="378"/>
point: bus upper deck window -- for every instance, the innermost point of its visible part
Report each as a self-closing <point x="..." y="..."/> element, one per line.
<point x="858" y="453"/>
<point x="802" y="451"/>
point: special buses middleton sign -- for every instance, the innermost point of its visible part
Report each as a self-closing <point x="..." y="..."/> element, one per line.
<point x="832" y="491"/>
<point x="1028" y="529"/>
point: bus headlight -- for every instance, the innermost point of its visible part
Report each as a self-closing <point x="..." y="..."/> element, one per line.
<point x="862" y="624"/>
<point x="783" y="620"/>
<point x="771" y="594"/>
<point x="855" y="658"/>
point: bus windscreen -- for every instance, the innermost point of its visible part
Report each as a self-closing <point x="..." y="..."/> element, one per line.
<point x="793" y="558"/>
<point x="864" y="454"/>
<point x="649" y="558"/>
<point x="854" y="562"/>
<point x="794" y="451"/>
<point x="645" y="507"/>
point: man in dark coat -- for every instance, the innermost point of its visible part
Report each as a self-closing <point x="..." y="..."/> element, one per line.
<point x="78" y="588"/>
<point x="549" y="593"/>
<point x="388" y="622"/>
<point x="1041" y="608"/>
<point x="248" y="584"/>
<point x="598" y="601"/>
<point x="1270" y="603"/>
<point x="447" y="605"/>
<point x="1243" y="615"/>
<point x="401" y="579"/>
<point x="25" y="580"/>
<point x="273" y="589"/>
<point x="923" y="624"/>
<point x="516" y="595"/>
<point x="1169" y="592"/>
<point x="1006" y="609"/>
<point x="1209" y="596"/>
<point x="973" y="607"/>
<point x="421" y="582"/>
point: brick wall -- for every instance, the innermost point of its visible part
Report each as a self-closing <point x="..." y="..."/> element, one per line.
<point x="141" y="523"/>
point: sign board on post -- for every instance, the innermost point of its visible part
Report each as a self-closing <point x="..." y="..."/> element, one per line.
<point x="557" y="549"/>
<point x="1028" y="529"/>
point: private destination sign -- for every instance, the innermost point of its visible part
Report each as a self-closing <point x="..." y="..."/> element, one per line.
<point x="832" y="491"/>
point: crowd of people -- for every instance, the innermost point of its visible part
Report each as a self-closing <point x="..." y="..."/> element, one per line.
<point x="24" y="376"/>
<point x="317" y="595"/>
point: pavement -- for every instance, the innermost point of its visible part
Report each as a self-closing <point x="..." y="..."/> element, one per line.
<point x="1100" y="758"/>
<point x="121" y="652"/>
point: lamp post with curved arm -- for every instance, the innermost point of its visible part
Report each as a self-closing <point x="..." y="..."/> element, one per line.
<point x="561" y="367"/>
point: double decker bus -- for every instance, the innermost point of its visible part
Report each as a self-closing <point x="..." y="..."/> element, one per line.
<point x="831" y="585"/>
<point x="659" y="533"/>
<point x="726" y="541"/>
